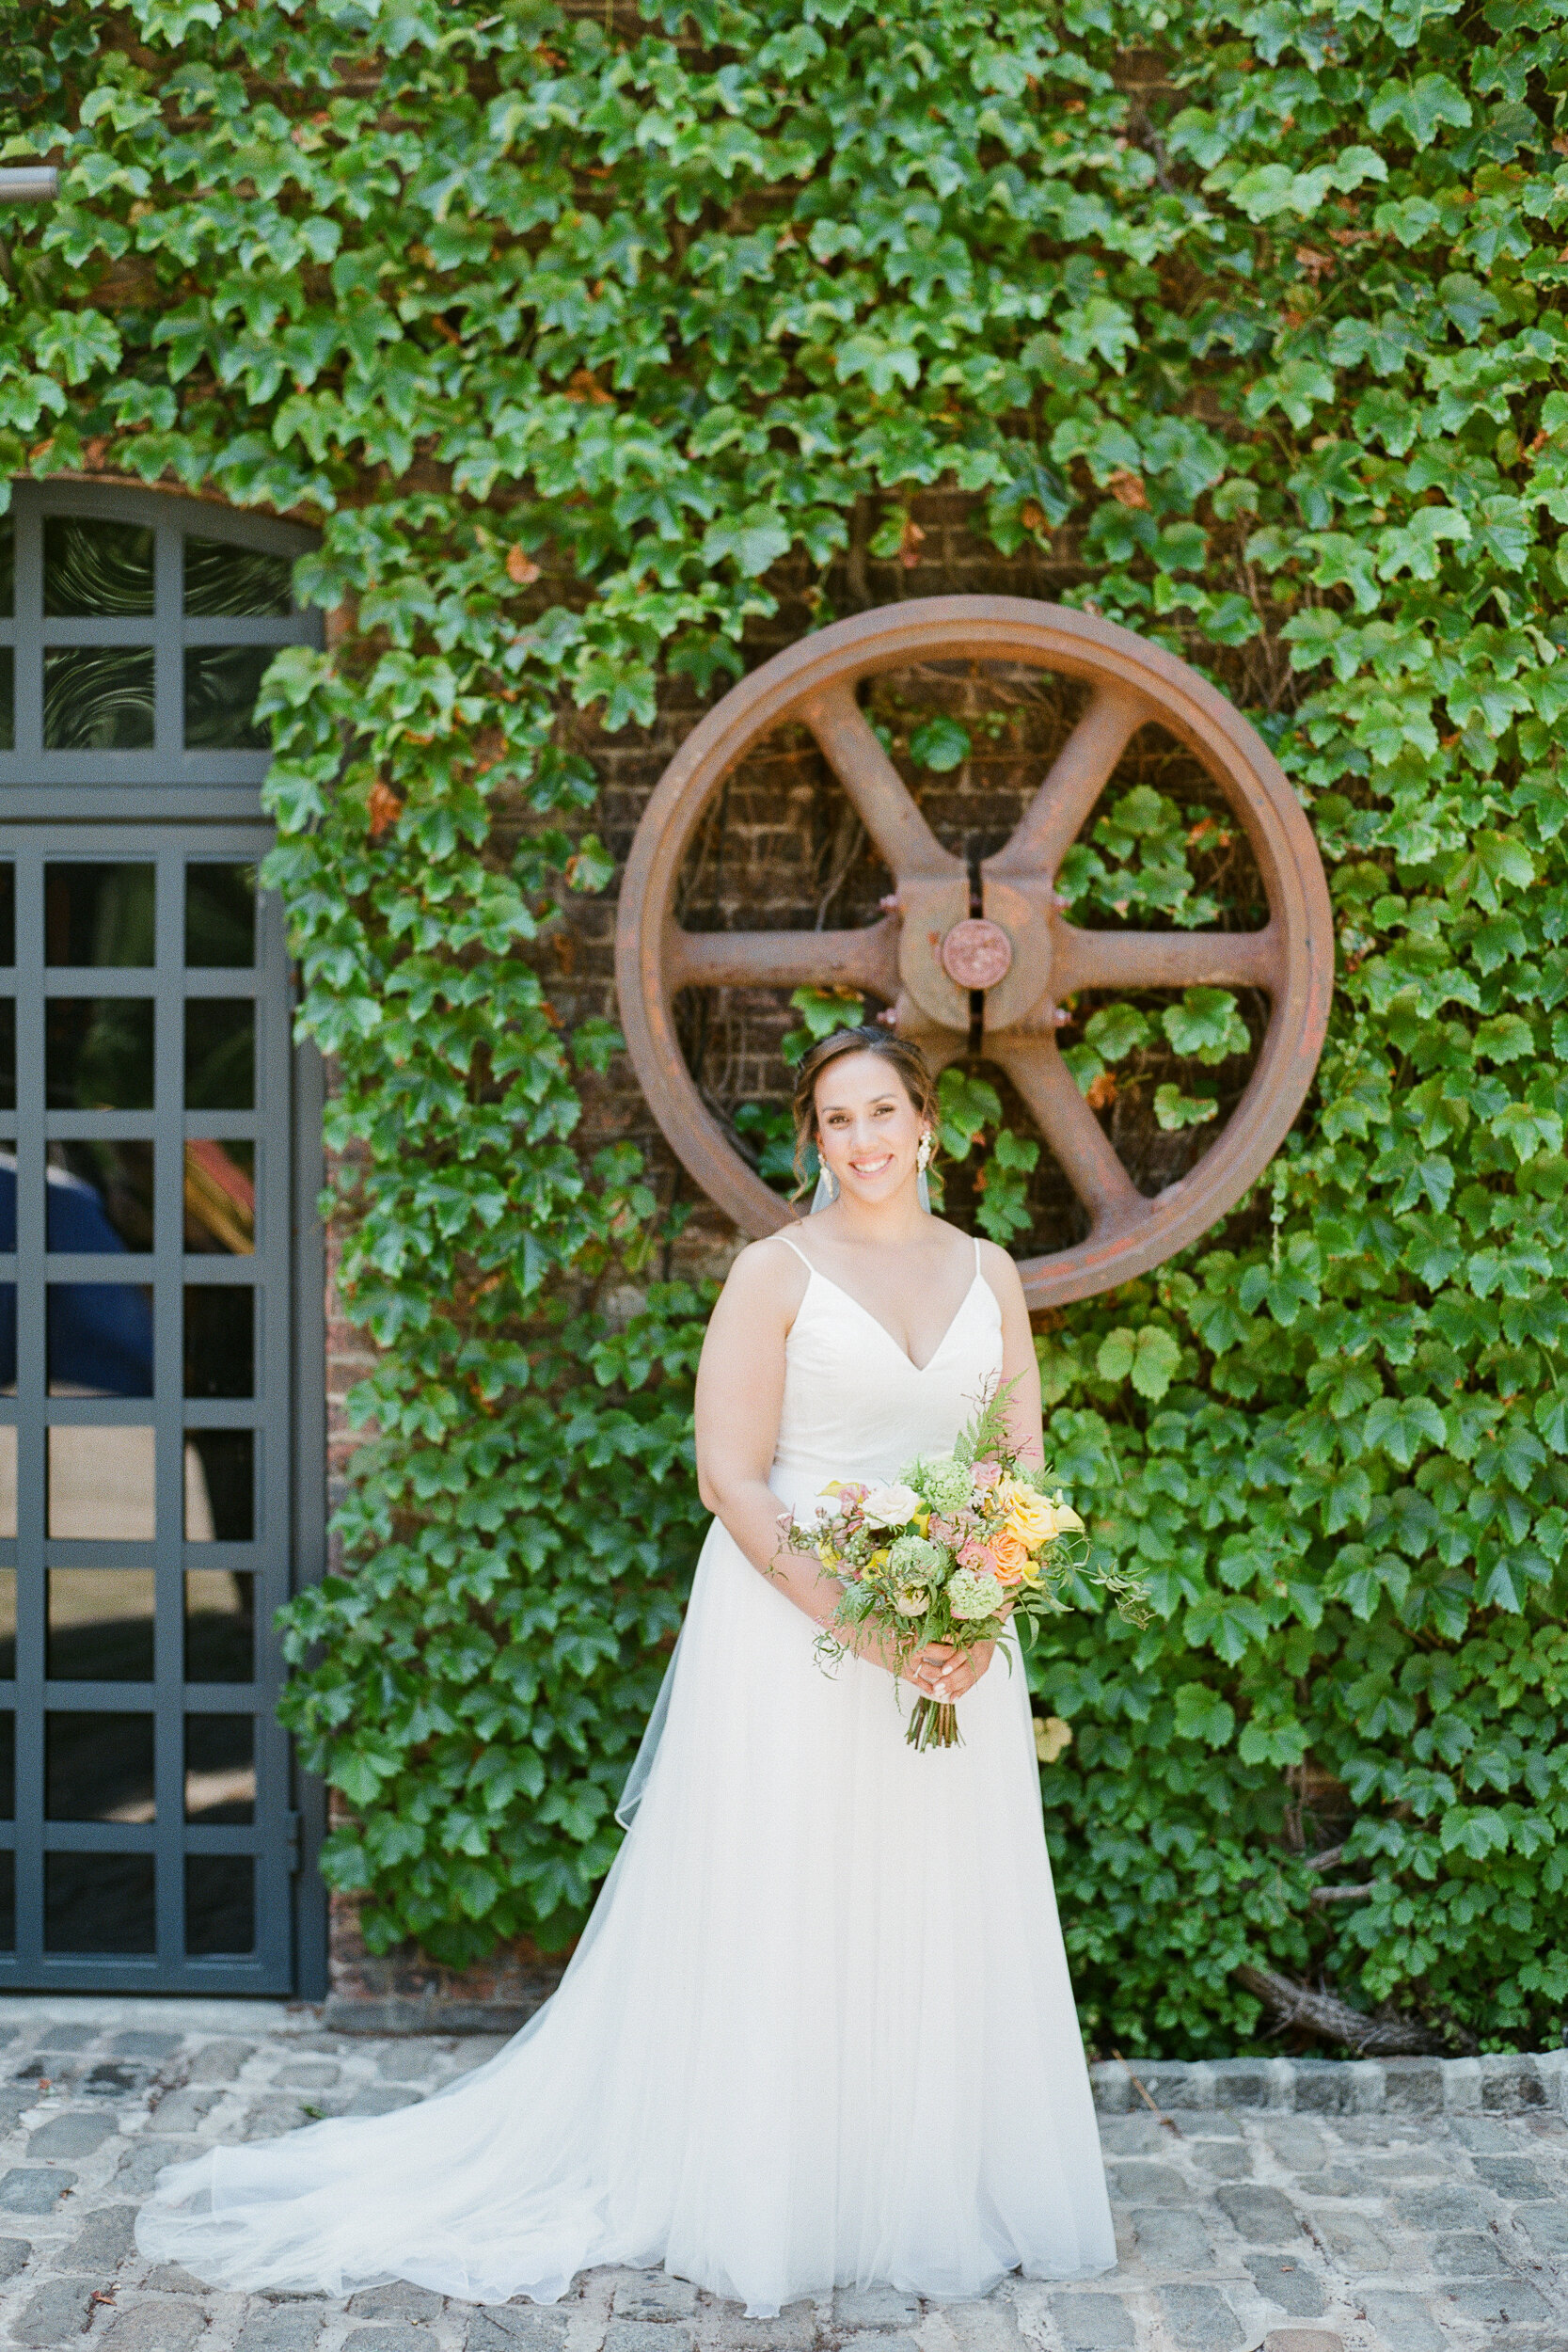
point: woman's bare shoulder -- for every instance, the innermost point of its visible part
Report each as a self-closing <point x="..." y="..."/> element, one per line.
<point x="768" y="1274"/>
<point x="1002" y="1274"/>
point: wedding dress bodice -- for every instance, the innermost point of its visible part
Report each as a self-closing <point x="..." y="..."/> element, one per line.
<point x="855" y="1405"/>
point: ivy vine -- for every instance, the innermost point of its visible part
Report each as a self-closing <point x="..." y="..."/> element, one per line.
<point x="580" y="334"/>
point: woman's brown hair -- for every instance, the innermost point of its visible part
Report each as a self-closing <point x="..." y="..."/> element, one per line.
<point x="905" y="1058"/>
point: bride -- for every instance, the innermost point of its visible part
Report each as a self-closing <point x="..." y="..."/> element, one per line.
<point x="818" y="2030"/>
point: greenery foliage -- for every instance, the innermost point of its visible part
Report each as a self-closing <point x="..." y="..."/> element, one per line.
<point x="570" y="328"/>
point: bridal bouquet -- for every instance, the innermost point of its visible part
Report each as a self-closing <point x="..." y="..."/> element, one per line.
<point x="948" y="1552"/>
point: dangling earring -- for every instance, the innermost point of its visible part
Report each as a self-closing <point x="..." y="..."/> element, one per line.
<point x="831" y="1181"/>
<point x="922" y="1156"/>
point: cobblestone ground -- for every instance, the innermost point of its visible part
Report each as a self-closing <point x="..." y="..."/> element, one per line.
<point x="1396" y="2234"/>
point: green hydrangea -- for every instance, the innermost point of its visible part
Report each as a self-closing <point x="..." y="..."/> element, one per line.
<point x="943" y="1481"/>
<point x="914" y="1561"/>
<point x="971" y="1595"/>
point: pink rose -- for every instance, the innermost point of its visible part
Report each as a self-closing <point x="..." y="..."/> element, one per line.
<point x="984" y="1474"/>
<point x="976" y="1556"/>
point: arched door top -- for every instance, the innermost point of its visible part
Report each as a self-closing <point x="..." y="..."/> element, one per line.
<point x="135" y="630"/>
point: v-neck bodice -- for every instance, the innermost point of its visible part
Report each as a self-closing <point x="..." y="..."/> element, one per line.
<point x="855" y="1404"/>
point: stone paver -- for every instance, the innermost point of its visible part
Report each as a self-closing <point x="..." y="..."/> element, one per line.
<point x="1093" y="2323"/>
<point x="1407" y="2207"/>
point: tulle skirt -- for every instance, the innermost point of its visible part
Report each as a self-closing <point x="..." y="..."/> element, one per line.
<point x="819" y="2031"/>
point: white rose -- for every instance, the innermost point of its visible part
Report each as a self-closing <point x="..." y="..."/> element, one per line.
<point x="890" y="1507"/>
<point x="911" y="1601"/>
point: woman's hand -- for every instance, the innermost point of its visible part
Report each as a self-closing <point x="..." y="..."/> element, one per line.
<point x="943" y="1673"/>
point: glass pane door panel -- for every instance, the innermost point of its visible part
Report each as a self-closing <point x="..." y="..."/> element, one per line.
<point x="220" y="914"/>
<point x="220" y="1626"/>
<point x="98" y="1053"/>
<point x="221" y="686"/>
<point x="102" y="1485"/>
<point x="98" y="1767"/>
<point x="220" y="1769"/>
<point x="7" y="914"/>
<point x="99" y="1903"/>
<point x="100" y="1626"/>
<point x="221" y="1904"/>
<point x="99" y="698"/>
<point x="220" y="1482"/>
<point x="220" y="1197"/>
<point x="220" y="1053"/>
<point x="221" y="578"/>
<point x="98" y="1196"/>
<point x="99" y="914"/>
<point x="99" y="1339"/>
<point x="220" y="1340"/>
<point x="94" y="569"/>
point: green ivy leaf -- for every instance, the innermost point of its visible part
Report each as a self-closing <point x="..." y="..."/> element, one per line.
<point x="1174" y="1109"/>
<point x="753" y="539"/>
<point x="939" y="743"/>
<point x="1421" y="108"/>
<point x="1116" y="1030"/>
<point x="1207" y="1024"/>
<point x="1150" y="1357"/>
<point x="1202" y="1714"/>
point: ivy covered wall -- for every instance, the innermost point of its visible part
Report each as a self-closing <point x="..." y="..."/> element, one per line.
<point x="603" y="345"/>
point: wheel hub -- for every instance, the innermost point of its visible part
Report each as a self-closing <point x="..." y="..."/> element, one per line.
<point x="975" y="955"/>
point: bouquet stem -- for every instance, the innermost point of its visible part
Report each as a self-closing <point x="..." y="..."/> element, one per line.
<point x="934" y="1724"/>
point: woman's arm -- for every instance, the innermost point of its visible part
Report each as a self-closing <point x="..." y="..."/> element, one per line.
<point x="740" y="1398"/>
<point x="1021" y="1375"/>
<point x="1021" y="1371"/>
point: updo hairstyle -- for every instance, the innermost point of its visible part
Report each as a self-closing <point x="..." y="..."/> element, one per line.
<point x="905" y="1058"/>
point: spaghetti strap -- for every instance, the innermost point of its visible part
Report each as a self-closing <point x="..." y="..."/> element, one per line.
<point x="806" y="1261"/>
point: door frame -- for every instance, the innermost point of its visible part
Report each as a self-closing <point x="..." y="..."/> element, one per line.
<point x="195" y="796"/>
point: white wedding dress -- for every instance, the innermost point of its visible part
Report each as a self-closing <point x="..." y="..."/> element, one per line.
<point x="818" y="2028"/>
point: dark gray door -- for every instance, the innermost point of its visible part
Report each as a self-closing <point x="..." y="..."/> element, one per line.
<point x="155" y="1504"/>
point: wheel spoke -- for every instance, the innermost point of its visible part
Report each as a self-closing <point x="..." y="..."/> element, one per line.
<point x="881" y="799"/>
<point x="1164" y="959"/>
<point x="865" y="960"/>
<point x="1072" y="1131"/>
<point x="940" y="1046"/>
<point x="1079" y="774"/>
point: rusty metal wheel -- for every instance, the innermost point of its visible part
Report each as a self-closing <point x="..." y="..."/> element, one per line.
<point x="927" y="958"/>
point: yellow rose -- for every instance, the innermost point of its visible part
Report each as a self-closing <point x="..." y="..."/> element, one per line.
<point x="1030" y="1516"/>
<point x="1029" y="1513"/>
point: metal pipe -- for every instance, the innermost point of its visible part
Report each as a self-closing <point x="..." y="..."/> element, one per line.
<point x="28" y="184"/>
